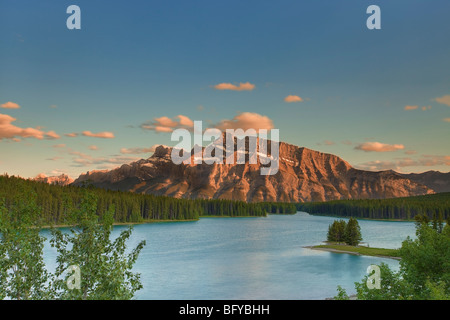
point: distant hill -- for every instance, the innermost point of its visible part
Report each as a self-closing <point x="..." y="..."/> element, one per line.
<point x="438" y="181"/>
<point x="433" y="205"/>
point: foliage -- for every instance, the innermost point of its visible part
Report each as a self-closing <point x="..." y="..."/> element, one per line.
<point x="352" y="233"/>
<point x="397" y="208"/>
<point x="342" y="294"/>
<point x="424" y="272"/>
<point x="348" y="232"/>
<point x="131" y="207"/>
<point x="105" y="266"/>
<point x="22" y="270"/>
<point x="336" y="231"/>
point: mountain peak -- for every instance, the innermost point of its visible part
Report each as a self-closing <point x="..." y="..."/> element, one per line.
<point x="303" y="175"/>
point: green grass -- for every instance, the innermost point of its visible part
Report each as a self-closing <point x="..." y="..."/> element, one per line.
<point x="366" y="251"/>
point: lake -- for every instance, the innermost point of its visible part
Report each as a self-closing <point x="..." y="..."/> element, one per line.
<point x="251" y="258"/>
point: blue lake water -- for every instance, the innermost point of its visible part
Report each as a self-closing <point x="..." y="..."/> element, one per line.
<point x="251" y="258"/>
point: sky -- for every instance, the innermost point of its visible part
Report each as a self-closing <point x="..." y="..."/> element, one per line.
<point x="94" y="98"/>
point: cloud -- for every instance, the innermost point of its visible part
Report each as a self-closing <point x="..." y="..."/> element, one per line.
<point x="9" y="105"/>
<point x="378" y="147"/>
<point x="444" y="100"/>
<point x="71" y="135"/>
<point x="185" y="121"/>
<point x="165" y="124"/>
<point x="10" y="131"/>
<point x="407" y="108"/>
<point x="347" y="142"/>
<point x="104" y="135"/>
<point x="410" y="152"/>
<point x="93" y="147"/>
<point x="247" y="86"/>
<point x="84" y="160"/>
<point x="424" y="108"/>
<point x="61" y="145"/>
<point x="138" y="150"/>
<point x="52" y="135"/>
<point x="446" y="119"/>
<point x="246" y="120"/>
<point x="398" y="164"/>
<point x="292" y="98"/>
<point x="54" y="158"/>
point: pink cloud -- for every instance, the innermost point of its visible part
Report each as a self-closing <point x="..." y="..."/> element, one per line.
<point x="165" y="124"/>
<point x="398" y="164"/>
<point x="93" y="147"/>
<point x="292" y="98"/>
<point x="378" y="147"/>
<point x="446" y="119"/>
<point x="245" y="121"/>
<point x="444" y="100"/>
<point x="52" y="135"/>
<point x="71" y="135"/>
<point x="104" y="135"/>
<point x="407" y="108"/>
<point x="10" y="131"/>
<point x="138" y="150"/>
<point x="247" y="86"/>
<point x="9" y="105"/>
<point x="185" y="121"/>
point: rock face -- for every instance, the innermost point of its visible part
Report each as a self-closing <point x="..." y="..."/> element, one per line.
<point x="61" y="180"/>
<point x="303" y="175"/>
<point x="438" y="181"/>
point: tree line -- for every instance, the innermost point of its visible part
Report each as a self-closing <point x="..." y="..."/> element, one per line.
<point x="128" y="206"/>
<point x="434" y="205"/>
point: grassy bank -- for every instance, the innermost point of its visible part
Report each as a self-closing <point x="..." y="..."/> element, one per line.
<point x="358" y="250"/>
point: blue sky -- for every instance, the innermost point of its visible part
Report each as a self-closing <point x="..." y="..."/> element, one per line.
<point x="136" y="61"/>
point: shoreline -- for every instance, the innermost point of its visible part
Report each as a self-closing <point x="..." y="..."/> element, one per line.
<point x="356" y="251"/>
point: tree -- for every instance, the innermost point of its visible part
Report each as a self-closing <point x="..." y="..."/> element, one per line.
<point x="426" y="260"/>
<point x="424" y="271"/>
<point x="336" y="231"/>
<point x="104" y="267"/>
<point x="352" y="232"/>
<point x="22" y="270"/>
<point x="105" y="264"/>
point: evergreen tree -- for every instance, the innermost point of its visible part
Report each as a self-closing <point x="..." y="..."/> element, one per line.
<point x="352" y="232"/>
<point x="336" y="231"/>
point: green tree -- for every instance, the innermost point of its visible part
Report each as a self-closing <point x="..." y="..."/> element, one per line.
<point x="426" y="259"/>
<point x="104" y="266"/>
<point x="352" y="232"/>
<point x="424" y="270"/>
<point x="22" y="270"/>
<point x="336" y="231"/>
<point x="392" y="286"/>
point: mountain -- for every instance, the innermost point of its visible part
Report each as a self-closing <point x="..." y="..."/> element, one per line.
<point x="303" y="175"/>
<point x="61" y="180"/>
<point x="438" y="181"/>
